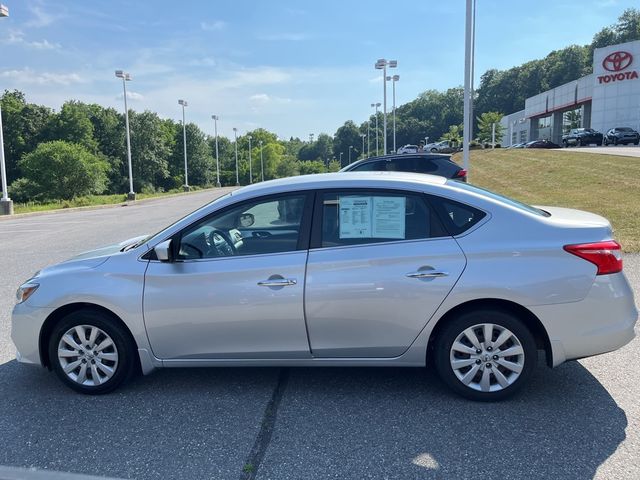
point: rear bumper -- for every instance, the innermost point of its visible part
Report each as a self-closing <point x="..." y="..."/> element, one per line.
<point x="602" y="322"/>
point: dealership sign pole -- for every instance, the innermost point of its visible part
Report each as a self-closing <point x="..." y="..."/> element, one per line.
<point x="468" y="61"/>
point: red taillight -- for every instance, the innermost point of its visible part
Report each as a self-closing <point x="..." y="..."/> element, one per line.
<point x="604" y="255"/>
<point x="461" y="173"/>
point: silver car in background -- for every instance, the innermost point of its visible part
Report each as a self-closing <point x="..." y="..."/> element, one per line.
<point x="347" y="269"/>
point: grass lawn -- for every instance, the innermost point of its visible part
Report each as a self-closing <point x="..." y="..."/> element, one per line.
<point x="90" y="200"/>
<point x="604" y="184"/>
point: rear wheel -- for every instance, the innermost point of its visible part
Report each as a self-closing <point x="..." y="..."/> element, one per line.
<point x="90" y="352"/>
<point x="615" y="140"/>
<point x="485" y="355"/>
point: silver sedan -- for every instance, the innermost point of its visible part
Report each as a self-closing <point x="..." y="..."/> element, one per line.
<point x="356" y="269"/>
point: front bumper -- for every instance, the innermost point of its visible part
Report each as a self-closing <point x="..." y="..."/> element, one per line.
<point x="602" y="322"/>
<point x="26" y="324"/>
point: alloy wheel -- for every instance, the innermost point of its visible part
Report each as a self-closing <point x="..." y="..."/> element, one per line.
<point x="87" y="355"/>
<point x="487" y="357"/>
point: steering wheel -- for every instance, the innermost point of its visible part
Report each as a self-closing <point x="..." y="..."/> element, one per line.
<point x="221" y="243"/>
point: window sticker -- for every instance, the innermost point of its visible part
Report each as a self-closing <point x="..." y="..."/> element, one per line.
<point x="389" y="217"/>
<point x="372" y="217"/>
<point x="355" y="217"/>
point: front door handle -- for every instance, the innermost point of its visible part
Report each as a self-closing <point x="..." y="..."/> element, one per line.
<point x="278" y="282"/>
<point x="427" y="274"/>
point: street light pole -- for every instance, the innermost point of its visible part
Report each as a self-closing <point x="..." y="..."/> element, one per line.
<point x="126" y="77"/>
<point x="6" y="204"/>
<point x="250" y="174"/>
<point x="382" y="64"/>
<point x="362" y="135"/>
<point x="468" y="69"/>
<point x="215" y="130"/>
<point x="340" y="159"/>
<point x="350" y="148"/>
<point x="184" y="144"/>
<point x="394" y="79"/>
<point x="261" y="162"/>
<point x="376" y="105"/>
<point x="235" y="133"/>
<point x="368" y="136"/>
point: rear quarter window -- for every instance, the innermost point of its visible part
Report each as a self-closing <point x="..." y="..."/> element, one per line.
<point x="456" y="217"/>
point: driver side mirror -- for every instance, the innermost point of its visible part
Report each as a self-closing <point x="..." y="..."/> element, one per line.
<point x="163" y="251"/>
<point x="246" y="220"/>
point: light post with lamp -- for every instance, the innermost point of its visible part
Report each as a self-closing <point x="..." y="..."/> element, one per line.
<point x="184" y="141"/>
<point x="382" y="64"/>
<point x="126" y="77"/>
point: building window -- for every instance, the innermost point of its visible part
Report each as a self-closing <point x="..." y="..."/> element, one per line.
<point x="523" y="136"/>
<point x="514" y="138"/>
<point x="544" y="122"/>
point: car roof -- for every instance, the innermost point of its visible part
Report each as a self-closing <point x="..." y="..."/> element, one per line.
<point x="397" y="180"/>
<point x="423" y="155"/>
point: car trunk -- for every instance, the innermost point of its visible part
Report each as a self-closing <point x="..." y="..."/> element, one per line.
<point x="585" y="226"/>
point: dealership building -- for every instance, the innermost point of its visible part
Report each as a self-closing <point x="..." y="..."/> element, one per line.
<point x="607" y="98"/>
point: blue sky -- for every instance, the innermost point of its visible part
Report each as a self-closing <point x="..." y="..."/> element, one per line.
<point x="289" y="66"/>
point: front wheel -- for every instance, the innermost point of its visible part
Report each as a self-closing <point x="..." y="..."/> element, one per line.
<point x="90" y="352"/>
<point x="485" y="355"/>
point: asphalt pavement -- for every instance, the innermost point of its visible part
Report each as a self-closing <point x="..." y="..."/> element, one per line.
<point x="629" y="150"/>
<point x="580" y="420"/>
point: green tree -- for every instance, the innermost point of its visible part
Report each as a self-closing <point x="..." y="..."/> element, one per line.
<point x="485" y="126"/>
<point x="200" y="160"/>
<point x="152" y="141"/>
<point x="25" y="125"/>
<point x="62" y="170"/>
<point x="347" y="135"/>
<point x="454" y="135"/>
<point x="73" y="124"/>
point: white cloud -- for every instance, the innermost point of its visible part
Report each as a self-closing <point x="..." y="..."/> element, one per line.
<point x="259" y="98"/>
<point x="17" y="37"/>
<point x="42" y="17"/>
<point x="135" y="96"/>
<point x="203" y="62"/>
<point x="29" y="76"/>
<point x="286" y="37"/>
<point x="212" y="26"/>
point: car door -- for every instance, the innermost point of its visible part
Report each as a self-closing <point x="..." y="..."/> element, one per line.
<point x="379" y="266"/>
<point x="233" y="292"/>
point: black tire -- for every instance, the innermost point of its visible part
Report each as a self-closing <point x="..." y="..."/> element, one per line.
<point x="434" y="150"/>
<point x="124" y="347"/>
<point x="605" y="142"/>
<point x="456" y="326"/>
<point x="615" y="141"/>
<point x="636" y="142"/>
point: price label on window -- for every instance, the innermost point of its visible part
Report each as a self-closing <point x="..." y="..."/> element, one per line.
<point x="372" y="217"/>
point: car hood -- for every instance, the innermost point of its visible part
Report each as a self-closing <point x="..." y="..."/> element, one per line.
<point x="91" y="258"/>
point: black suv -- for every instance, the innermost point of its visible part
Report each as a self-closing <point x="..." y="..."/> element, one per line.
<point x="441" y="165"/>
<point x="621" y="135"/>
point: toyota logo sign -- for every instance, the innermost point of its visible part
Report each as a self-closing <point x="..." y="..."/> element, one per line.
<point x="616" y="61"/>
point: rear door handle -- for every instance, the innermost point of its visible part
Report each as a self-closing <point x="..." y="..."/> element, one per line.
<point x="278" y="282"/>
<point x="427" y="274"/>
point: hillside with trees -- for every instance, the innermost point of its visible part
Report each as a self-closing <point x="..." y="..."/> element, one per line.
<point x="81" y="149"/>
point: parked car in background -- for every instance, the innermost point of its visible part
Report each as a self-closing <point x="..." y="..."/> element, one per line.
<point x="408" y="149"/>
<point x="541" y="144"/>
<point x="441" y="147"/>
<point x="517" y="145"/>
<point x="433" y="164"/>
<point x="581" y="136"/>
<point x="621" y="136"/>
<point x="374" y="269"/>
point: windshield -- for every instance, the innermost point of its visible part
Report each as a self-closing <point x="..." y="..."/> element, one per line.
<point x="151" y="237"/>
<point x="502" y="199"/>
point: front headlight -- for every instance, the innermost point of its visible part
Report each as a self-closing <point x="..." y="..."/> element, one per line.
<point x="25" y="291"/>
